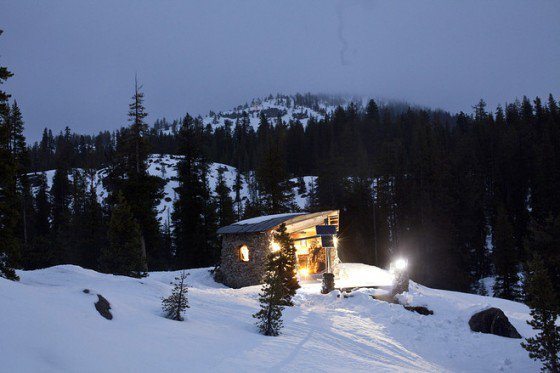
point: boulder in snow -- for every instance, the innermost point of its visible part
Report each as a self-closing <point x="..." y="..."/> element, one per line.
<point x="419" y="309"/>
<point x="103" y="306"/>
<point x="493" y="321"/>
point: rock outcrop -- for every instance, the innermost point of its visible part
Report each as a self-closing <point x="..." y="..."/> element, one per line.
<point x="103" y="306"/>
<point x="493" y="321"/>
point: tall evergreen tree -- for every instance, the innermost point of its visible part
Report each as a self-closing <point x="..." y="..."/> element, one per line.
<point x="194" y="225"/>
<point x="93" y="226"/>
<point x="39" y="253"/>
<point x="224" y="202"/>
<point x="123" y="255"/>
<point x="128" y="175"/>
<point x="238" y="201"/>
<point x="275" y="188"/>
<point x="10" y="247"/>
<point x="61" y="199"/>
<point x="543" y="240"/>
<point x="505" y="260"/>
<point x="542" y="299"/>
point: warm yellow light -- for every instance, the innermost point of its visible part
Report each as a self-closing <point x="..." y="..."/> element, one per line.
<point x="274" y="246"/>
<point x="303" y="272"/>
<point x="244" y="253"/>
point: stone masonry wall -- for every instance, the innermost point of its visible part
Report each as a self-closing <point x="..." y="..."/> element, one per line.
<point x="237" y="273"/>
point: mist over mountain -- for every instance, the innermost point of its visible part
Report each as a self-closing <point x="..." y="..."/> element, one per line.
<point x="196" y="57"/>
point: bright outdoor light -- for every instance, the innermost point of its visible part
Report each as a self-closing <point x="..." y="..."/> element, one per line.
<point x="400" y="264"/>
<point x="303" y="272"/>
<point x="335" y="240"/>
<point x="274" y="246"/>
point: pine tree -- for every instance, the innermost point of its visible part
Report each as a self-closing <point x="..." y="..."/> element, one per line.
<point x="275" y="188"/>
<point x="544" y="240"/>
<point x="61" y="215"/>
<point x="128" y="175"/>
<point x="543" y="301"/>
<point x="253" y="205"/>
<point x="39" y="252"/>
<point x="20" y="156"/>
<point x="93" y="226"/>
<point x="124" y="254"/>
<point x="505" y="259"/>
<point x="237" y="188"/>
<point x="175" y="305"/>
<point x="224" y="202"/>
<point x="272" y="296"/>
<point x="10" y="245"/>
<point x="17" y="138"/>
<point x="167" y="235"/>
<point x="193" y="215"/>
<point x="312" y="202"/>
<point x="287" y="264"/>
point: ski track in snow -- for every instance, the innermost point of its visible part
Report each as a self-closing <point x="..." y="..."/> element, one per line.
<point x="49" y="325"/>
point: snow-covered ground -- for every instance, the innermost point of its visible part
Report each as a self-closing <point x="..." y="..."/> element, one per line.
<point x="48" y="324"/>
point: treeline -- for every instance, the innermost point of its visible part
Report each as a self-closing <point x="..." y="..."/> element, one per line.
<point x="68" y="223"/>
<point x="463" y="196"/>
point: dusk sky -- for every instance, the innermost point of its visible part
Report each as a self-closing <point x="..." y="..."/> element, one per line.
<point x="74" y="61"/>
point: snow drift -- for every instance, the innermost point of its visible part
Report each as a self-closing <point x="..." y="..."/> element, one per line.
<point x="49" y="324"/>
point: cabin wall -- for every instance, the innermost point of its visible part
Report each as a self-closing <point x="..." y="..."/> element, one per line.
<point x="237" y="273"/>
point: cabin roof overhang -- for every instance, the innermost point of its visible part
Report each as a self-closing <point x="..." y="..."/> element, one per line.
<point x="294" y="222"/>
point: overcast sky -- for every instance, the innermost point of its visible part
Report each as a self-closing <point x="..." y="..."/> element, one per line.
<point x="74" y="61"/>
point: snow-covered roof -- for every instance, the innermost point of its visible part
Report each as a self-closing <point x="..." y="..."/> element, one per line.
<point x="268" y="222"/>
<point x="260" y="219"/>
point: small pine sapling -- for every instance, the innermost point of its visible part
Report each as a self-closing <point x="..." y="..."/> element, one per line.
<point x="544" y="311"/>
<point x="174" y="305"/>
<point x="272" y="297"/>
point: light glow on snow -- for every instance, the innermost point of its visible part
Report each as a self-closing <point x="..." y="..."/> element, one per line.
<point x="50" y="325"/>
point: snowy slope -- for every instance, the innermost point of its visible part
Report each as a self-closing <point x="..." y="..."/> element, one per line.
<point x="165" y="166"/>
<point x="49" y="325"/>
<point x="285" y="106"/>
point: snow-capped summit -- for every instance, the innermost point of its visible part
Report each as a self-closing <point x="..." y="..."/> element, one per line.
<point x="296" y="107"/>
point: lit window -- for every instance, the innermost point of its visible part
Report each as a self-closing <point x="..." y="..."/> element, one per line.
<point x="244" y="253"/>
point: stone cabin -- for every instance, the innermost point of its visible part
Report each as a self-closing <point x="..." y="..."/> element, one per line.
<point x="246" y="244"/>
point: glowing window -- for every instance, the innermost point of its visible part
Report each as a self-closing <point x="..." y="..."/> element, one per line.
<point x="244" y="253"/>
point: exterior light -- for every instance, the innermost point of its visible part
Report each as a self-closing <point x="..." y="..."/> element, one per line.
<point x="400" y="264"/>
<point x="274" y="246"/>
<point x="400" y="276"/>
<point x="303" y="272"/>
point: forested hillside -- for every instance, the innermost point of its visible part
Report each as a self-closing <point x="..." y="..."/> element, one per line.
<point x="463" y="196"/>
